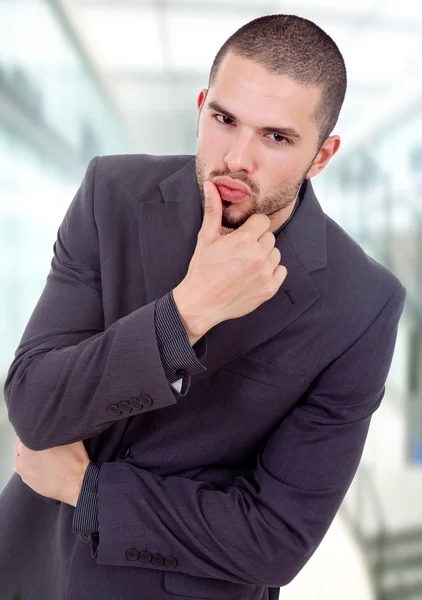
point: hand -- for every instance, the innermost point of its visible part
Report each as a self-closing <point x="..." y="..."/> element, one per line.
<point x="229" y="275"/>
<point x="56" y="472"/>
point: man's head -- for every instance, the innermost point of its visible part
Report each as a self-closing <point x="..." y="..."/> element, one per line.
<point x="275" y="91"/>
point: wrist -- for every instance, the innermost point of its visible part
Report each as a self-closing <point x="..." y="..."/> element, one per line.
<point x="73" y="495"/>
<point x="193" y="322"/>
<point x="76" y="488"/>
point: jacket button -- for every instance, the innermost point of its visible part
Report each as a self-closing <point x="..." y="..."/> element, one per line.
<point x="180" y="373"/>
<point x="125" y="452"/>
<point x="157" y="560"/>
<point x="170" y="562"/>
<point x="125" y="407"/>
<point x="113" y="410"/>
<point x="146" y="400"/>
<point x="85" y="537"/>
<point x="135" y="403"/>
<point x="132" y="554"/>
<point x="145" y="556"/>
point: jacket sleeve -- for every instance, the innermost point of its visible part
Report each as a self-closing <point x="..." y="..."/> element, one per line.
<point x="179" y="358"/>
<point x="71" y="378"/>
<point x="265" y="527"/>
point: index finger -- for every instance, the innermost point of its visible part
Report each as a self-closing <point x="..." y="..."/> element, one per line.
<point x="256" y="224"/>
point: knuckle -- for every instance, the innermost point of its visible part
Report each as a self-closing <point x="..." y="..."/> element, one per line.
<point x="274" y="284"/>
<point x="282" y="271"/>
<point x="244" y="240"/>
<point x="259" y="262"/>
<point x="268" y="233"/>
<point x="259" y="221"/>
<point x="260" y="217"/>
<point x="276" y="254"/>
<point x="266" y="272"/>
<point x="266" y="293"/>
<point x="269" y="273"/>
<point x="208" y="208"/>
<point x="272" y="289"/>
<point x="265" y="240"/>
<point x="201" y="233"/>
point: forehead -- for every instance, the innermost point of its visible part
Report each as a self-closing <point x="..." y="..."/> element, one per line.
<point x="252" y="93"/>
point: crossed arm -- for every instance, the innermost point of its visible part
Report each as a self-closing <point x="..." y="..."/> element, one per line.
<point x="262" y="529"/>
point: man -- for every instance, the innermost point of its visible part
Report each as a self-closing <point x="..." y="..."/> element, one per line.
<point x="215" y="289"/>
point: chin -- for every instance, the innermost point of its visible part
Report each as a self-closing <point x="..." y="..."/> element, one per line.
<point x="232" y="226"/>
<point x="233" y="219"/>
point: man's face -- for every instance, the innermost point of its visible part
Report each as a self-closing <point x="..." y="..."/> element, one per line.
<point x="255" y="128"/>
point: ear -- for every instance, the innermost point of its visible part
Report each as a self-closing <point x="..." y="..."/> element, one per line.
<point x="326" y="152"/>
<point x="201" y="99"/>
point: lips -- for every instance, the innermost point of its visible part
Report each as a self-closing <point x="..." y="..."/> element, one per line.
<point x="230" y="189"/>
<point x="232" y="184"/>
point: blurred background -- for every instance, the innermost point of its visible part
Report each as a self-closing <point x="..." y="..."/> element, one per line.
<point x="80" y="78"/>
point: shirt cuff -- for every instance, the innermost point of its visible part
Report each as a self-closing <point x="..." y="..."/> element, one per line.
<point x="85" y="518"/>
<point x="178" y="357"/>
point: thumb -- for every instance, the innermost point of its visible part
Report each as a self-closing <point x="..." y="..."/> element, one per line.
<point x="213" y="212"/>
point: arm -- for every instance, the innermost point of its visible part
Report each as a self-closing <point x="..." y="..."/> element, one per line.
<point x="179" y="353"/>
<point x="177" y="356"/>
<point x="264" y="528"/>
<point x="70" y="378"/>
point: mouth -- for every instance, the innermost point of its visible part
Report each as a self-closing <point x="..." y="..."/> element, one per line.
<point x="231" y="190"/>
<point x="231" y="195"/>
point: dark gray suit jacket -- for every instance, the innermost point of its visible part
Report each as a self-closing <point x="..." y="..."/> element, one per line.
<point x="230" y="487"/>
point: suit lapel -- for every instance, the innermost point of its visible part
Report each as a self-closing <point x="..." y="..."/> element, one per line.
<point x="168" y="232"/>
<point x="168" y="236"/>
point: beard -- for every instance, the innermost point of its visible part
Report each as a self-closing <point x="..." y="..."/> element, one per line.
<point x="232" y="217"/>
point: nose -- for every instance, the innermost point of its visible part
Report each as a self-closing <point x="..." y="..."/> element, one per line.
<point x="240" y="155"/>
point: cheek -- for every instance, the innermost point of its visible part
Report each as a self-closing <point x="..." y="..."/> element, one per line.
<point x="277" y="174"/>
<point x="286" y="167"/>
<point x="214" y="144"/>
<point x="211" y="140"/>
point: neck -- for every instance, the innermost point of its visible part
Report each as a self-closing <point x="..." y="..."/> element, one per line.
<point x="283" y="215"/>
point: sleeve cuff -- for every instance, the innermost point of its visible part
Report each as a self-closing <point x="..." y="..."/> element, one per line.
<point x="179" y="358"/>
<point x="85" y="518"/>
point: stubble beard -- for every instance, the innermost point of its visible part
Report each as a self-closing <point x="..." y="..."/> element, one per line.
<point x="268" y="205"/>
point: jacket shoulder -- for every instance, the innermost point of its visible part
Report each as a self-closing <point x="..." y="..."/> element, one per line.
<point x="134" y="170"/>
<point x="355" y="268"/>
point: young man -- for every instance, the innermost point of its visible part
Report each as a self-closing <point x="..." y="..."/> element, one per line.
<point x="193" y="391"/>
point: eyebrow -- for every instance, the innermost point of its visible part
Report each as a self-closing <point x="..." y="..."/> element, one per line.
<point x="284" y="131"/>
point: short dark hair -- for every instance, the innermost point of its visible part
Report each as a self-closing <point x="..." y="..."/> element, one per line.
<point x="296" y="47"/>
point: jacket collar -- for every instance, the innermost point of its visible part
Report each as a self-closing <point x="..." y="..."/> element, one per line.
<point x="168" y="232"/>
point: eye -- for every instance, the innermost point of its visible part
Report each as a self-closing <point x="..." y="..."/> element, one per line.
<point x="279" y="139"/>
<point x="225" y="119"/>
